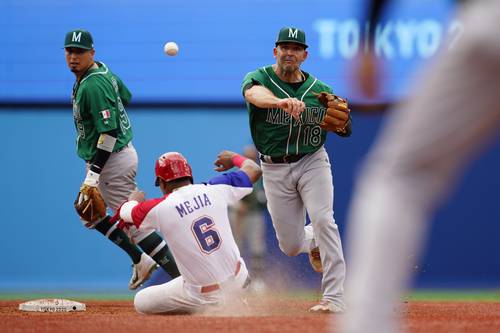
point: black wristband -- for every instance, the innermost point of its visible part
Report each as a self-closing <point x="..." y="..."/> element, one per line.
<point x="100" y="159"/>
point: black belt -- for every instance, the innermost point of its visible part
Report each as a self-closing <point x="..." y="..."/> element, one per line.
<point x="281" y="159"/>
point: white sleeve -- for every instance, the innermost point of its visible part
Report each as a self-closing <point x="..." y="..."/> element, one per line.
<point x="230" y="193"/>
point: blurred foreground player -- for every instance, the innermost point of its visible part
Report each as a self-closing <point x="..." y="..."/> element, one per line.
<point x="422" y="150"/>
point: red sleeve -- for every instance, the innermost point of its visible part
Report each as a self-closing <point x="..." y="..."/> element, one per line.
<point x="140" y="211"/>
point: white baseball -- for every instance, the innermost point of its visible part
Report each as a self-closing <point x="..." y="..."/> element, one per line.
<point x="171" y="48"/>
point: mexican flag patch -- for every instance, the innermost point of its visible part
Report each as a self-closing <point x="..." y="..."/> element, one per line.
<point x="105" y="114"/>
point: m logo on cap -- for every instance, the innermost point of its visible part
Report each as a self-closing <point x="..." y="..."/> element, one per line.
<point x="76" y="38"/>
<point x="291" y="35"/>
<point x="79" y="38"/>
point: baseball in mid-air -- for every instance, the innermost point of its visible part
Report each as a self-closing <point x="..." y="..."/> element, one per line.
<point x="171" y="48"/>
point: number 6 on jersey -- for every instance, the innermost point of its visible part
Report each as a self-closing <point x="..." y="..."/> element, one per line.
<point x="206" y="235"/>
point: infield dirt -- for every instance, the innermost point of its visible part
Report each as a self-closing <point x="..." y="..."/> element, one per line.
<point x="264" y="314"/>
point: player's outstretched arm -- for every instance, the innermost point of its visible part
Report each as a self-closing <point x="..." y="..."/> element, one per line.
<point x="228" y="159"/>
<point x="262" y="97"/>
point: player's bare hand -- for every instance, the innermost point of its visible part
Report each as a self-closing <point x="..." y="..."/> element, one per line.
<point x="292" y="106"/>
<point x="224" y="161"/>
<point x="138" y="196"/>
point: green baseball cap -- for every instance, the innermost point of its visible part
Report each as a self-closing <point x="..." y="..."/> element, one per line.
<point x="79" y="38"/>
<point x="291" y="35"/>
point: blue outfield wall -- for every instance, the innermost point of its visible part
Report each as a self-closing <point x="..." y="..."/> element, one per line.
<point x="47" y="246"/>
<point x="44" y="246"/>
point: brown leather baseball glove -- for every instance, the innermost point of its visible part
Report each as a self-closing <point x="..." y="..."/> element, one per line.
<point x="89" y="204"/>
<point x="336" y="117"/>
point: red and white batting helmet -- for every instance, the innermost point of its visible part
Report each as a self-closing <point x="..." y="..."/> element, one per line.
<point x="171" y="166"/>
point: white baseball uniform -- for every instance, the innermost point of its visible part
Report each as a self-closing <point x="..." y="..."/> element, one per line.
<point x="414" y="163"/>
<point x="194" y="221"/>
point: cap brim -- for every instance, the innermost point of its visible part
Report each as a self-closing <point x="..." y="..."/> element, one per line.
<point x="78" y="46"/>
<point x="292" y="41"/>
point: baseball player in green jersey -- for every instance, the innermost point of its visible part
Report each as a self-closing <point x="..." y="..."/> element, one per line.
<point x="285" y="115"/>
<point x="104" y="135"/>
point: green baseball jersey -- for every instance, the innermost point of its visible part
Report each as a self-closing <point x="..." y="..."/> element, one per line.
<point x="98" y="106"/>
<point x="277" y="133"/>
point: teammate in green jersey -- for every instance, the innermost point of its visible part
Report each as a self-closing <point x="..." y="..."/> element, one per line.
<point x="104" y="142"/>
<point x="284" y="122"/>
